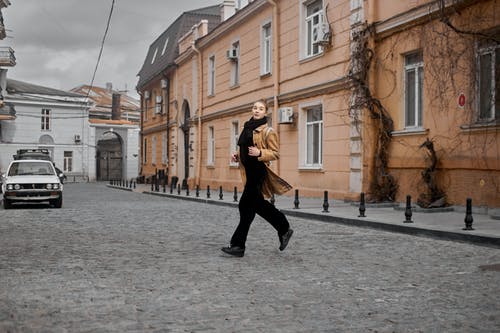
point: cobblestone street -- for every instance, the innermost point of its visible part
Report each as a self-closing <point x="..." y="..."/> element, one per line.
<point x="118" y="261"/>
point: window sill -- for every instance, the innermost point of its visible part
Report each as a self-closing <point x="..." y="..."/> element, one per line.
<point x="265" y="75"/>
<point x="234" y="165"/>
<point x="304" y="59"/>
<point x="234" y="86"/>
<point x="479" y="126"/>
<point x="311" y="169"/>
<point x="210" y="166"/>
<point x="411" y="131"/>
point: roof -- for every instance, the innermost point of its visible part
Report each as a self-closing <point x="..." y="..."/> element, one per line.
<point x="103" y="98"/>
<point x="111" y="122"/>
<point x="20" y="87"/>
<point x="163" y="51"/>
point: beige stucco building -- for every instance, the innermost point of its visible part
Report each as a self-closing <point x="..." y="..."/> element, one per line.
<point x="355" y="88"/>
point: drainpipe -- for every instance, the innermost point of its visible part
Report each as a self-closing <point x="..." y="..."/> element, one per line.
<point x="200" y="108"/>
<point x="276" y="68"/>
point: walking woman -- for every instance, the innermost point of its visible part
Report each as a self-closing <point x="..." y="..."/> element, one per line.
<point x="258" y="145"/>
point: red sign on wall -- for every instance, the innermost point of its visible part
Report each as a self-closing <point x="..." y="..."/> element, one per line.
<point x="461" y="100"/>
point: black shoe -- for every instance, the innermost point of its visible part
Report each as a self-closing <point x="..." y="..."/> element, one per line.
<point x="234" y="251"/>
<point x="285" y="238"/>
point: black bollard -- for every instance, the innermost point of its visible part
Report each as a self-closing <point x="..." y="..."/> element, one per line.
<point x="134" y="184"/>
<point x="208" y="191"/>
<point x="221" y="195"/>
<point x="187" y="190"/>
<point x="197" y="191"/>
<point x="235" y="195"/>
<point x="325" y="202"/>
<point x="171" y="187"/>
<point x="362" y="207"/>
<point x="296" y="200"/>
<point x="179" y="189"/>
<point x="152" y="185"/>
<point x="272" y="200"/>
<point x="468" y="215"/>
<point x="126" y="183"/>
<point x="164" y="187"/>
<point x="408" y="212"/>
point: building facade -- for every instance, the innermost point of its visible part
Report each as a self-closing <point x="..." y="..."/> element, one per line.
<point x="389" y="98"/>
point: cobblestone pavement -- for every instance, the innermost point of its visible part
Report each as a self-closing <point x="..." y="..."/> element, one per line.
<point x="118" y="261"/>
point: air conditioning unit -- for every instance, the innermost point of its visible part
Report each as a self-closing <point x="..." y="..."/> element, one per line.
<point x="164" y="84"/>
<point x="232" y="53"/>
<point x="285" y="115"/>
<point x="77" y="138"/>
<point x="321" y="34"/>
<point x="146" y="95"/>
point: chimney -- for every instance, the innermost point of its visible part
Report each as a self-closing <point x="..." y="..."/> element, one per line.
<point x="227" y="9"/>
<point x="109" y="86"/>
<point x="116" y="107"/>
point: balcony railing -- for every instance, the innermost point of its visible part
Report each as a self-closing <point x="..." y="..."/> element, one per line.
<point x="7" y="57"/>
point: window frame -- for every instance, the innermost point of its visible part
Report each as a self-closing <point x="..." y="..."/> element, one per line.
<point x="211" y="146"/>
<point x="307" y="47"/>
<point x="153" y="150"/>
<point x="46" y="119"/>
<point x="266" y="48"/>
<point x="234" y="80"/>
<point x="417" y="70"/>
<point x="493" y="89"/>
<point x="234" y="136"/>
<point x="211" y="75"/>
<point x="68" y="161"/>
<point x="304" y="145"/>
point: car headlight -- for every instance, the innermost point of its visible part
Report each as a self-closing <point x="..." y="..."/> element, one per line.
<point x="17" y="187"/>
<point x="48" y="186"/>
<point x="10" y="186"/>
<point x="55" y="186"/>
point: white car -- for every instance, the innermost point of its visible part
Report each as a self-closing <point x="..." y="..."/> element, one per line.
<point x="31" y="181"/>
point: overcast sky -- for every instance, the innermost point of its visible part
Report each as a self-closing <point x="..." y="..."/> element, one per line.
<point x="57" y="42"/>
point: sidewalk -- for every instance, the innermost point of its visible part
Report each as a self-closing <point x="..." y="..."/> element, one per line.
<point x="440" y="223"/>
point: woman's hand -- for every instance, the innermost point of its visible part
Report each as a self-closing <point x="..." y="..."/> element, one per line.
<point x="253" y="151"/>
<point x="234" y="158"/>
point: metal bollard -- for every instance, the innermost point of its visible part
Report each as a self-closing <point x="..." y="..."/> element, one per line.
<point x="325" y="202"/>
<point x="235" y="195"/>
<point x="362" y="207"/>
<point x="221" y="195"/>
<point x="468" y="215"/>
<point x="187" y="190"/>
<point x="408" y="212"/>
<point x="134" y="184"/>
<point x="126" y="183"/>
<point x="164" y="187"/>
<point x="152" y="186"/>
<point x="208" y="191"/>
<point x="296" y="200"/>
<point x="197" y="191"/>
<point x="179" y="189"/>
<point x="171" y="187"/>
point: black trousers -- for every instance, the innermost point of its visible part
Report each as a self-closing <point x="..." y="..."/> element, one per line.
<point x="252" y="202"/>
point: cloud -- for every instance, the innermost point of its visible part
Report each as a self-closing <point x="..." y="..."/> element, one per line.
<point x="56" y="42"/>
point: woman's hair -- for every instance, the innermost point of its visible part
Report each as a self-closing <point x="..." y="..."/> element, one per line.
<point x="263" y="101"/>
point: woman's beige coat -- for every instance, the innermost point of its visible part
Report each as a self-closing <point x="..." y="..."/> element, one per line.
<point x="266" y="139"/>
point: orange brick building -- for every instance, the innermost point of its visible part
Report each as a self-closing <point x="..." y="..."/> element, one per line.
<point x="355" y="87"/>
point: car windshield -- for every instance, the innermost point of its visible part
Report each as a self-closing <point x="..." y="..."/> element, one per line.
<point x="31" y="168"/>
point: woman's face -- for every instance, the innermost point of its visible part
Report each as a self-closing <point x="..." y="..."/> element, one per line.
<point x="259" y="110"/>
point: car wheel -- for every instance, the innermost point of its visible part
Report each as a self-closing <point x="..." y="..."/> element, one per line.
<point x="57" y="203"/>
<point x="7" y="204"/>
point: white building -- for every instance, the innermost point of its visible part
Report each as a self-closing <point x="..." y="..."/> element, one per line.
<point x="47" y="118"/>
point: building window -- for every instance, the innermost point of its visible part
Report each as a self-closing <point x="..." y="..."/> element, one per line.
<point x="235" y="64"/>
<point x="313" y="13"/>
<point x="266" y="49"/>
<point x="414" y="81"/>
<point x="164" y="149"/>
<point x="314" y="136"/>
<point x="211" y="146"/>
<point x="489" y="82"/>
<point x="158" y="104"/>
<point x="153" y="58"/>
<point x="145" y="152"/>
<point x="46" y="120"/>
<point x="68" y="161"/>
<point x="211" y="75"/>
<point x="153" y="151"/>
<point x="240" y="4"/>
<point x="234" y="135"/>
<point x="164" y="46"/>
